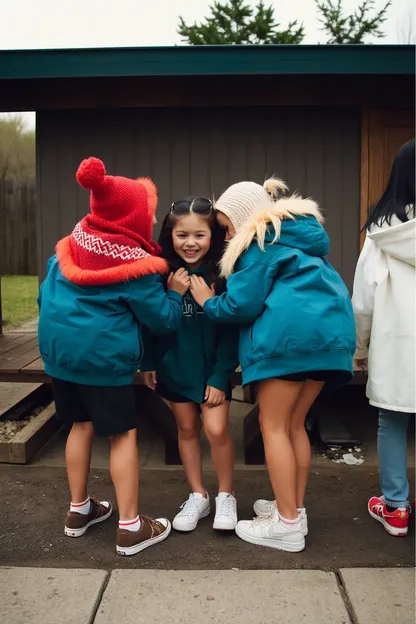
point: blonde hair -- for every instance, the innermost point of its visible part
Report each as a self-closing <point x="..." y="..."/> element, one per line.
<point x="275" y="187"/>
<point x="265" y="217"/>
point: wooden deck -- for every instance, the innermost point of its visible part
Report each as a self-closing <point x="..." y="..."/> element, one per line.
<point x="20" y="362"/>
<point x="20" y="359"/>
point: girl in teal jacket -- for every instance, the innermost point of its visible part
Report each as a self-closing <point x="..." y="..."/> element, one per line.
<point x="298" y="334"/>
<point x="102" y="286"/>
<point x="192" y="368"/>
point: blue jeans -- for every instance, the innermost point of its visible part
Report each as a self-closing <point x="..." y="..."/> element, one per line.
<point x="392" y="455"/>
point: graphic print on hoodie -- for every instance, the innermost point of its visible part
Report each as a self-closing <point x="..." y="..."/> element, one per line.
<point x="200" y="353"/>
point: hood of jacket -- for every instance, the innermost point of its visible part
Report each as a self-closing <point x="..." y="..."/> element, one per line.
<point x="397" y="239"/>
<point x="99" y="253"/>
<point x="294" y="222"/>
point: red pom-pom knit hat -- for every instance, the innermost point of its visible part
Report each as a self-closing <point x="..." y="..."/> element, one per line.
<point x="113" y="243"/>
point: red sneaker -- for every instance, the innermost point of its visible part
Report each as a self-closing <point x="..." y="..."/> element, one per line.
<point x="394" y="522"/>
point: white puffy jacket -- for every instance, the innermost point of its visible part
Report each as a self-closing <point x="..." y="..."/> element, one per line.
<point x="385" y="312"/>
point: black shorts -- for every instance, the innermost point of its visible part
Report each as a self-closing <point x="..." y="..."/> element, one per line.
<point x="111" y="409"/>
<point x="330" y="376"/>
<point x="173" y="397"/>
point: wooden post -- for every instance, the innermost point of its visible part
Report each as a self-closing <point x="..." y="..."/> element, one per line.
<point x="365" y="150"/>
<point x="1" y="315"/>
<point x="2" y="245"/>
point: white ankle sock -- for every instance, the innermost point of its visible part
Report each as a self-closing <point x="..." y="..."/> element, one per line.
<point x="289" y="522"/>
<point x="81" y="508"/>
<point x="199" y="495"/>
<point x="300" y="509"/>
<point x="130" y="525"/>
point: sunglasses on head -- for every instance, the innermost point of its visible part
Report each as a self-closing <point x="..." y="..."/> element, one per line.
<point x="200" y="205"/>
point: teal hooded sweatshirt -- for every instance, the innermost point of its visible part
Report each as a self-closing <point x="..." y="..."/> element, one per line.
<point x="199" y="354"/>
<point x="295" y="308"/>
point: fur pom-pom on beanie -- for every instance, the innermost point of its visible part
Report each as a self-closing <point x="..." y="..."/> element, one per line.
<point x="241" y="200"/>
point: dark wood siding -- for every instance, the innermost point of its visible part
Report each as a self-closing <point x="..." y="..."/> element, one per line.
<point x="202" y="151"/>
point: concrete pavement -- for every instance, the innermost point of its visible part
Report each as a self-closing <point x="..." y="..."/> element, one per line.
<point x="84" y="596"/>
<point x="50" y="595"/>
<point x="383" y="593"/>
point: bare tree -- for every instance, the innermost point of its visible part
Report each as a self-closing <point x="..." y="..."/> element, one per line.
<point x="17" y="149"/>
<point x="405" y="29"/>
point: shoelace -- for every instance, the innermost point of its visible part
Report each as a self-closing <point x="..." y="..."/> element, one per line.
<point x="258" y="521"/>
<point x="269" y="520"/>
<point x="189" y="508"/>
<point x="378" y="508"/>
<point x="153" y="524"/>
<point x="227" y="507"/>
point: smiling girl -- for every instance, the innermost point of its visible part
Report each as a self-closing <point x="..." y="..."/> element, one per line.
<point x="192" y="369"/>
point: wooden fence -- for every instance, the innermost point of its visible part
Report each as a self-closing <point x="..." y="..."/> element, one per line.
<point x="18" y="252"/>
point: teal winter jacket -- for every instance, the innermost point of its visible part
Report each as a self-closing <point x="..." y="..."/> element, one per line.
<point x="294" y="306"/>
<point x="92" y="334"/>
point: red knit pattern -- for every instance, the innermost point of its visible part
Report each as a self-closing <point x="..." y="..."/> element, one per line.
<point x="95" y="249"/>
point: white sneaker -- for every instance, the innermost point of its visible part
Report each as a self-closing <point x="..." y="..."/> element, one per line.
<point x="192" y="510"/>
<point x="264" y="508"/>
<point x="271" y="532"/>
<point x="225" y="512"/>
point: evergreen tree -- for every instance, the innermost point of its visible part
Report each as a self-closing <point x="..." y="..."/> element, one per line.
<point x="342" y="28"/>
<point x="236" y="22"/>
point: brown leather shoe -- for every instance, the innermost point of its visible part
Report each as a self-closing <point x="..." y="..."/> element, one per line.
<point x="150" y="532"/>
<point x="77" y="524"/>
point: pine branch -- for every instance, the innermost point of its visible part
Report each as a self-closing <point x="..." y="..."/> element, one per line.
<point x="235" y="22"/>
<point x="353" y="29"/>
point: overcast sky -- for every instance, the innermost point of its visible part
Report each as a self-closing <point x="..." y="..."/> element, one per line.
<point x="32" y="24"/>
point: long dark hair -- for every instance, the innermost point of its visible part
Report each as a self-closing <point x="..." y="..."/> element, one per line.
<point x="201" y="206"/>
<point x="399" y="193"/>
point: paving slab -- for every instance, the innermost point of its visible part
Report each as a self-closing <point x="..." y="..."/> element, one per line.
<point x="232" y="596"/>
<point x="381" y="595"/>
<point x="49" y="595"/>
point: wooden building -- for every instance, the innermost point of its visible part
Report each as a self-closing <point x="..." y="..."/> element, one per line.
<point x="327" y="119"/>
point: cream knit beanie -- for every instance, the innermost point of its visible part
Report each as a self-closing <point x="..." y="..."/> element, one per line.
<point x="240" y="200"/>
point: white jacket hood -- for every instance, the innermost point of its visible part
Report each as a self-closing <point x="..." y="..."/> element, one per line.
<point x="396" y="240"/>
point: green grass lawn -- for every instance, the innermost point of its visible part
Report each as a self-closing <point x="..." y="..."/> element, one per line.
<point x="18" y="298"/>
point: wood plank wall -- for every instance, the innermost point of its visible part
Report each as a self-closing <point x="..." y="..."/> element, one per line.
<point x="18" y="248"/>
<point x="202" y="151"/>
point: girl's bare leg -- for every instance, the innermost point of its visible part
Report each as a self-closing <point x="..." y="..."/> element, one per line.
<point x="215" y="421"/>
<point x="78" y="458"/>
<point x="277" y="400"/>
<point x="189" y="428"/>
<point x="124" y="471"/>
<point x="299" y="438"/>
